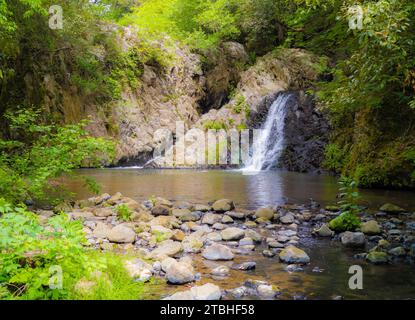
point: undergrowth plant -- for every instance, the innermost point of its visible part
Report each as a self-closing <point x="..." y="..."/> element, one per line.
<point x="348" y="220"/>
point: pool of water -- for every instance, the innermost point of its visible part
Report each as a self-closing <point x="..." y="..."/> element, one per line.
<point x="248" y="191"/>
<point x="395" y="281"/>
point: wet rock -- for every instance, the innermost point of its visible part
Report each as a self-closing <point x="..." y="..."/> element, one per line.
<point x="162" y="232"/>
<point x="283" y="239"/>
<point x="180" y="273"/>
<point x="214" y="236"/>
<point x="192" y="244"/>
<point x="184" y="205"/>
<point x="206" y="292"/>
<point x="121" y="234"/>
<point x="370" y="227"/>
<point x="236" y="215"/>
<point x="220" y="271"/>
<point x="180" y="212"/>
<point x="223" y="205"/>
<point x="165" y="221"/>
<point x="160" y="211"/>
<point x="411" y="225"/>
<point x="287" y="219"/>
<point x="377" y="257"/>
<point x="292" y="254"/>
<point x="218" y="252"/>
<point x="101" y="230"/>
<point x="391" y="208"/>
<point x="266" y="213"/>
<point x="141" y="216"/>
<point x="397" y="252"/>
<point x="246" y="242"/>
<point x="293" y="268"/>
<point x="238" y="293"/>
<point x="317" y="270"/>
<point x="353" y="239"/>
<point x="103" y="212"/>
<point x="332" y="208"/>
<point x="162" y="202"/>
<point x="211" y="218"/>
<point x="324" y="231"/>
<point x="168" y="248"/>
<point x="202" y="208"/>
<point x="360" y="256"/>
<point x="275" y="244"/>
<point x="178" y="235"/>
<point x="232" y="234"/>
<point x="394" y="232"/>
<point x="227" y="219"/>
<point x="166" y="263"/>
<point x="384" y="244"/>
<point x="287" y="233"/>
<point x="219" y="226"/>
<point x="138" y="269"/>
<point x="250" y="224"/>
<point x="253" y="235"/>
<point x="245" y="266"/>
<point x="267" y="291"/>
<point x="268" y="253"/>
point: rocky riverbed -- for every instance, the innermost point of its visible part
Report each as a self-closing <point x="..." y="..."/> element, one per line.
<point x="216" y="250"/>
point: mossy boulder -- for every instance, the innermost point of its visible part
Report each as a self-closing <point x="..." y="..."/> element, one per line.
<point x="223" y="205"/>
<point x="345" y="222"/>
<point x="391" y="208"/>
<point x="266" y="213"/>
<point x="292" y="254"/>
<point x="377" y="257"/>
<point x="370" y="227"/>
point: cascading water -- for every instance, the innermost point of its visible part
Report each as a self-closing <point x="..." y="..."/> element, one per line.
<point x="269" y="144"/>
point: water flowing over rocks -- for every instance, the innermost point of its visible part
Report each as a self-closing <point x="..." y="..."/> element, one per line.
<point x="221" y="241"/>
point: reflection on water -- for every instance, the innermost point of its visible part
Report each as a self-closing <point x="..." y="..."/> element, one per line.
<point x="248" y="191"/>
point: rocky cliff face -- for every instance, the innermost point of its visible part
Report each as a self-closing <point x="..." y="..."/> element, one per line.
<point x="224" y="92"/>
<point x="305" y="134"/>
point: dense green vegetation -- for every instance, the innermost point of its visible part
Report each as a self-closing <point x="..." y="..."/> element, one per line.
<point x="48" y="260"/>
<point x="367" y="90"/>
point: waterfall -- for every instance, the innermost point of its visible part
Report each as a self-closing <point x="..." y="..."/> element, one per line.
<point x="269" y="142"/>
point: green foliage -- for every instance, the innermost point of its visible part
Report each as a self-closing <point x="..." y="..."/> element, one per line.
<point x="113" y="283"/>
<point x="160" y="236"/>
<point x="37" y="153"/>
<point x="199" y="24"/>
<point x="334" y="158"/>
<point x="215" y="125"/>
<point x="348" y="220"/>
<point x="124" y="213"/>
<point x="29" y="249"/>
<point x="31" y="252"/>
<point x="241" y="105"/>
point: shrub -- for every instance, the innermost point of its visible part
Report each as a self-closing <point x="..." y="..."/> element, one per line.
<point x="38" y="153"/>
<point x="124" y="212"/>
<point x="215" y="125"/>
<point x="31" y="251"/>
<point x="348" y="219"/>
